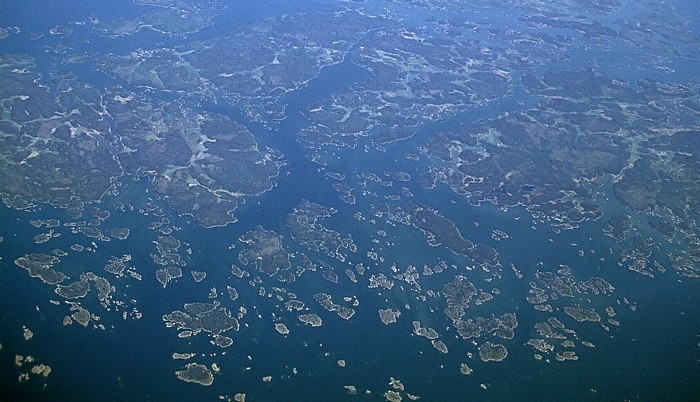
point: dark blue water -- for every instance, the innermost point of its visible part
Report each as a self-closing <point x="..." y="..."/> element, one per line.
<point x="652" y="356"/>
